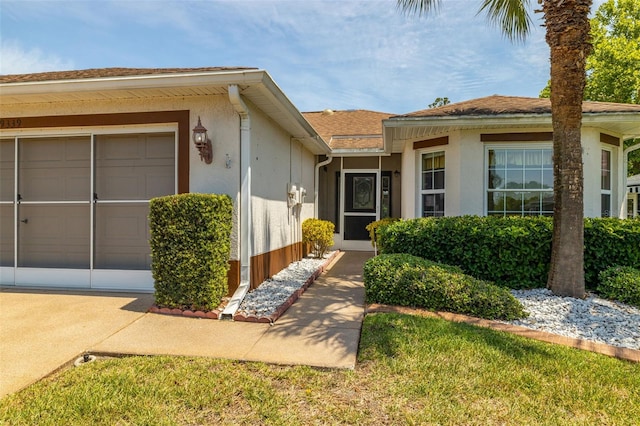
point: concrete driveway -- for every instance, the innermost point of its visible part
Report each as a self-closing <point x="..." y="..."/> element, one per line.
<point x="41" y="330"/>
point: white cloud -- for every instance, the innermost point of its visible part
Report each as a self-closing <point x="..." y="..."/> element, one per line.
<point x="323" y="53"/>
<point x="14" y="59"/>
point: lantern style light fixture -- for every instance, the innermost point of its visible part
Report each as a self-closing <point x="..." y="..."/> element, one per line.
<point x="202" y="142"/>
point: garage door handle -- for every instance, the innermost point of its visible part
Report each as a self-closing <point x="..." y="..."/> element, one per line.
<point x="25" y="221"/>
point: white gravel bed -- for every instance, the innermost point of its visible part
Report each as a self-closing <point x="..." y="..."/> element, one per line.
<point x="273" y="292"/>
<point x="592" y="318"/>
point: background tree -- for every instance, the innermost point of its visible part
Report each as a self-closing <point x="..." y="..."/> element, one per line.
<point x="438" y="102"/>
<point x="613" y="68"/>
<point x="567" y="34"/>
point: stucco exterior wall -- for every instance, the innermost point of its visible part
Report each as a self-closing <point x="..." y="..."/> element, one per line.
<point x="465" y="180"/>
<point x="216" y="113"/>
<point x="410" y="183"/>
<point x="277" y="160"/>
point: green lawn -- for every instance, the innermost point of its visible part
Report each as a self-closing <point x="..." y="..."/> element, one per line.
<point x="411" y="370"/>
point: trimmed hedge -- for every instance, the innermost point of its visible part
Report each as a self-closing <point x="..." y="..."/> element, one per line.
<point x="621" y="283"/>
<point x="318" y="233"/>
<point x="190" y="248"/>
<point x="513" y="252"/>
<point x="406" y="280"/>
<point x="610" y="242"/>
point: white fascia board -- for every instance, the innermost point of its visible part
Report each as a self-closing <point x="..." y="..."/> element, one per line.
<point x="147" y="81"/>
<point x="630" y="120"/>
<point x="359" y="153"/>
<point x="467" y="121"/>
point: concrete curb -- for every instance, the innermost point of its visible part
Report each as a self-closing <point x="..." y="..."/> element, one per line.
<point x="626" y="354"/>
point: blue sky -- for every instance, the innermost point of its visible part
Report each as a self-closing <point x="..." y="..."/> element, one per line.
<point x="339" y="54"/>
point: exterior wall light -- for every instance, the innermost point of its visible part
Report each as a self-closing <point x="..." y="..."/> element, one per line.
<point x="202" y="142"/>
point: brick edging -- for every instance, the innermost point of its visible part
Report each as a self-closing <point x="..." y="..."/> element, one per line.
<point x="270" y="319"/>
<point x="627" y="354"/>
<point x="215" y="314"/>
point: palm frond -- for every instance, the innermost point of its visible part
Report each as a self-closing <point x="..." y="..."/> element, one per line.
<point x="418" y="7"/>
<point x="511" y="16"/>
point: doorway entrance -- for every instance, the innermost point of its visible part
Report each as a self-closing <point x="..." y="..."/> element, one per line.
<point x="360" y="206"/>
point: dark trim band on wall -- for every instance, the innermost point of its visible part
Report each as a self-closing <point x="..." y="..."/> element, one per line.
<point x="443" y="140"/>
<point x="608" y="139"/>
<point x="118" y="119"/>
<point x="517" y="137"/>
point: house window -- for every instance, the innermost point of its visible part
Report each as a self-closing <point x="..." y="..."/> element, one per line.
<point x="432" y="189"/>
<point x="605" y="184"/>
<point x="520" y="182"/>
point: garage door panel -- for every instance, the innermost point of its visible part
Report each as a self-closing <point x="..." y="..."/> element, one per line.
<point x="122" y="236"/>
<point x="137" y="168"/>
<point x="157" y="147"/>
<point x="141" y="183"/>
<point x="6" y="235"/>
<point x="7" y="169"/>
<point x="54" y="169"/>
<point x="54" y="236"/>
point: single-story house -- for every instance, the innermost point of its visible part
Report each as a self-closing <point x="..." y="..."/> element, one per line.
<point x="633" y="185"/>
<point x="83" y="152"/>
<point x="487" y="156"/>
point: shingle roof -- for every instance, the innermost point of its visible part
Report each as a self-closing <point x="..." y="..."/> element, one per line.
<point x="496" y="104"/>
<point x="107" y="72"/>
<point x="350" y="129"/>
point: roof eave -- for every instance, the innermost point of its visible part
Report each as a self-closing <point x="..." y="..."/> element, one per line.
<point x="364" y="152"/>
<point x="465" y="120"/>
<point x="143" y="81"/>
<point x="288" y="115"/>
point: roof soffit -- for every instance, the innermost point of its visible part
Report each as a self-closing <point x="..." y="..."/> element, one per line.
<point x="409" y="129"/>
<point x="255" y="85"/>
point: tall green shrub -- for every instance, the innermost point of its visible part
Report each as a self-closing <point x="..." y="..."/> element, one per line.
<point x="511" y="251"/>
<point x="318" y="233"/>
<point x="621" y="283"/>
<point x="190" y="248"/>
<point x="609" y="242"/>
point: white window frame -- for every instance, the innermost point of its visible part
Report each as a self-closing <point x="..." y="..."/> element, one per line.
<point x="420" y="191"/>
<point x="606" y="191"/>
<point x="514" y="146"/>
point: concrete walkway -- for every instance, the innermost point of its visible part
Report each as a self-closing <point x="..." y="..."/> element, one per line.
<point x="41" y="331"/>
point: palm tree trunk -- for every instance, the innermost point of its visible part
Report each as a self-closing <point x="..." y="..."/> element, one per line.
<point x="568" y="39"/>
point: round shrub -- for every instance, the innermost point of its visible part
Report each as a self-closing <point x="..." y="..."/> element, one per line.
<point x="406" y="280"/>
<point x="318" y="233"/>
<point x="621" y="283"/>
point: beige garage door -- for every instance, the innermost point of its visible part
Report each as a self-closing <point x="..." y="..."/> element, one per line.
<point x="81" y="203"/>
